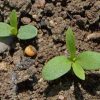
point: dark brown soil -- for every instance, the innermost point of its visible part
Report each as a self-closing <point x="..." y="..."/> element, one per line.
<point x="52" y="18"/>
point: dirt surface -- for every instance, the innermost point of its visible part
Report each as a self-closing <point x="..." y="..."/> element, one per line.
<point x="52" y="18"/>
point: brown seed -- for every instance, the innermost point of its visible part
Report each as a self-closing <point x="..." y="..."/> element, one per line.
<point x="30" y="51"/>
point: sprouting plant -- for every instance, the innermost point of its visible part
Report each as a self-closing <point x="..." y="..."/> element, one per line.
<point x="24" y="32"/>
<point x="60" y="65"/>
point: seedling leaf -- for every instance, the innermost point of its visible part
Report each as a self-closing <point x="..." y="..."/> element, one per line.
<point x="14" y="31"/>
<point x="70" y="42"/>
<point x="5" y="29"/>
<point x="27" y="32"/>
<point x="13" y="19"/>
<point x="56" y="67"/>
<point x="78" y="70"/>
<point x="89" y="60"/>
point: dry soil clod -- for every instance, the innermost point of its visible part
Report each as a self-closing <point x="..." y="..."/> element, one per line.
<point x="40" y="3"/>
<point x="93" y="36"/>
<point x="25" y="20"/>
<point x="3" y="66"/>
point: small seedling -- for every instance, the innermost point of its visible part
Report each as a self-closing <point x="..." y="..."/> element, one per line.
<point x="60" y="65"/>
<point x="24" y="32"/>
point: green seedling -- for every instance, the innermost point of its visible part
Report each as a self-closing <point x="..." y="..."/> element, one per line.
<point x="24" y="32"/>
<point x="60" y="65"/>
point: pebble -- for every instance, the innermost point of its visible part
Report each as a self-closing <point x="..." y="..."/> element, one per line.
<point x="61" y="97"/>
<point x="34" y="16"/>
<point x="42" y="23"/>
<point x="26" y="20"/>
<point x="98" y="92"/>
<point x="4" y="47"/>
<point x="5" y="44"/>
<point x="72" y="88"/>
<point x="40" y="3"/>
<point x="52" y="24"/>
<point x="35" y="99"/>
<point x="41" y="80"/>
<point x="3" y="66"/>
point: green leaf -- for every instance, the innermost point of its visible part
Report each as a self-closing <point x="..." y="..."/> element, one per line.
<point x="13" y="19"/>
<point x="27" y="32"/>
<point x="5" y="29"/>
<point x="56" y="67"/>
<point x="14" y="31"/>
<point x="78" y="70"/>
<point x="89" y="60"/>
<point x="70" y="42"/>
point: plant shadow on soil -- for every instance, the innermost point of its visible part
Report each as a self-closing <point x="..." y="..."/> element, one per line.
<point x="90" y="85"/>
<point x="27" y="85"/>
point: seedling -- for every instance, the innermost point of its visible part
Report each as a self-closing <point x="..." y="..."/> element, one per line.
<point x="60" y="65"/>
<point x="24" y="32"/>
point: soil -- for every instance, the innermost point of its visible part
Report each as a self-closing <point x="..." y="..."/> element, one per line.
<point x="52" y="18"/>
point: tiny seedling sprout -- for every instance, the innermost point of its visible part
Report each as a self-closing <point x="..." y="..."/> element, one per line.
<point x="24" y="32"/>
<point x="60" y="65"/>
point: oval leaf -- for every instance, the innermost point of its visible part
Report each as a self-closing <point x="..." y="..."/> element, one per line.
<point x="89" y="60"/>
<point x="78" y="70"/>
<point x="27" y="32"/>
<point x="70" y="42"/>
<point x="5" y="29"/>
<point x="56" y="67"/>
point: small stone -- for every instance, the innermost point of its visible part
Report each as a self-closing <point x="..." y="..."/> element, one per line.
<point x="35" y="99"/>
<point x="42" y="23"/>
<point x="3" y="66"/>
<point x="25" y="20"/>
<point x="72" y="88"/>
<point x="5" y="44"/>
<point x="97" y="5"/>
<point x="34" y="16"/>
<point x="4" y="47"/>
<point x="52" y="24"/>
<point x="61" y="97"/>
<point x="41" y="80"/>
<point x="98" y="92"/>
<point x="40" y="3"/>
